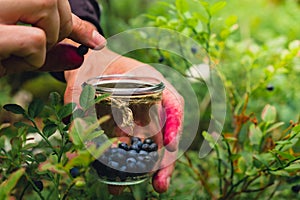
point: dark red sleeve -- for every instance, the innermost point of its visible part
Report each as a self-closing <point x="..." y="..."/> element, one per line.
<point x="87" y="10"/>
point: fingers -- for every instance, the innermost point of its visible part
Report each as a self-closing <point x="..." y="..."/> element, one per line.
<point x="14" y="42"/>
<point x="161" y="180"/>
<point x="85" y="33"/>
<point x="65" y="19"/>
<point x="173" y="105"/>
<point x="54" y="17"/>
<point x="48" y="19"/>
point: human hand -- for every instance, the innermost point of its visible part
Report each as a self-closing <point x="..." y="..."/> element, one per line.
<point x="50" y="21"/>
<point x="106" y="62"/>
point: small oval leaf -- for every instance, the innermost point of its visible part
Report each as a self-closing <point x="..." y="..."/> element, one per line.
<point x="35" y="108"/>
<point x="14" y="108"/>
<point x="87" y="96"/>
<point x="49" y="129"/>
<point x="269" y="114"/>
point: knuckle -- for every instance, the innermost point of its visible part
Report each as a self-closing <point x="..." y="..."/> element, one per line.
<point x="47" y="4"/>
<point x="36" y="46"/>
<point x="66" y="29"/>
<point x="37" y="41"/>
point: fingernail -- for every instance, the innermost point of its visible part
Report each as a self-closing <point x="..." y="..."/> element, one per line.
<point x="99" y="40"/>
<point x="168" y="182"/>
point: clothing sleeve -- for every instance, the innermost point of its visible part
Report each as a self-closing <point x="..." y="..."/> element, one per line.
<point x="87" y="10"/>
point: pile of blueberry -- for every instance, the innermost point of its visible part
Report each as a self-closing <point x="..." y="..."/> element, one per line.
<point x="127" y="162"/>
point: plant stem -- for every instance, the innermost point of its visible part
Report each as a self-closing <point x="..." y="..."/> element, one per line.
<point x="274" y="191"/>
<point x="43" y="136"/>
<point x="202" y="180"/>
<point x="219" y="171"/>
<point x="34" y="187"/>
<point x="23" y="192"/>
<point x="235" y="185"/>
<point x="68" y="190"/>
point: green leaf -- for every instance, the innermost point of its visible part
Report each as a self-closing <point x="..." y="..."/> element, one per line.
<point x="101" y="97"/>
<point x="32" y="129"/>
<point x="280" y="173"/>
<point x="30" y="146"/>
<point x="296" y="128"/>
<point x="76" y="132"/>
<point x="14" y="108"/>
<point x="283" y="154"/>
<point x="66" y="110"/>
<point x="216" y="7"/>
<point x="40" y="157"/>
<point x="286" y="144"/>
<point x="274" y="126"/>
<point x="182" y="6"/>
<point x="255" y="135"/>
<point x="210" y="139"/>
<point x="21" y="124"/>
<point x="293" y="167"/>
<point x="242" y="164"/>
<point x="93" y="135"/>
<point x="55" y="98"/>
<point x="269" y="114"/>
<point x="10" y="183"/>
<point x="231" y="20"/>
<point x="35" y="108"/>
<point x="87" y="96"/>
<point x="16" y="143"/>
<point x="264" y="159"/>
<point x="49" y="129"/>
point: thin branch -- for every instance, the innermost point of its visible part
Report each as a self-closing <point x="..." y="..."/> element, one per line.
<point x="202" y="180"/>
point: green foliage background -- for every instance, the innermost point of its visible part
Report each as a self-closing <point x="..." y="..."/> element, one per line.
<point x="253" y="44"/>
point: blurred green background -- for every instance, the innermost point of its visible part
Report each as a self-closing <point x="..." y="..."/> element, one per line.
<point x="265" y="29"/>
<point x="254" y="45"/>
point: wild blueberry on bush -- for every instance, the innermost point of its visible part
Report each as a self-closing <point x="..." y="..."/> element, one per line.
<point x="270" y="87"/>
<point x="39" y="185"/>
<point x="74" y="172"/>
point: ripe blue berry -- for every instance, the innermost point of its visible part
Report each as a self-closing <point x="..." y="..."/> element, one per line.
<point x="296" y="188"/>
<point x="148" y="141"/>
<point x="161" y="59"/>
<point x="124" y="146"/>
<point x="113" y="164"/>
<point x="135" y="139"/>
<point x="143" y="153"/>
<point x="270" y="87"/>
<point x="74" y="172"/>
<point x="131" y="160"/>
<point x="135" y="147"/>
<point x="39" y="185"/>
<point x="127" y="160"/>
<point x="194" y="50"/>
<point x="153" y="147"/>
<point x="141" y="167"/>
<point x="154" y="155"/>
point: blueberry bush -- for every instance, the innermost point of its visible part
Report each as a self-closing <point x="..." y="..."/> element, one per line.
<point x="253" y="47"/>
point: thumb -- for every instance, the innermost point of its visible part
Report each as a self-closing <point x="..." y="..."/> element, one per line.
<point x="86" y="33"/>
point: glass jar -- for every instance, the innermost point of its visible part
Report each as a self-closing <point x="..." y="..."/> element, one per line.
<point x="134" y="108"/>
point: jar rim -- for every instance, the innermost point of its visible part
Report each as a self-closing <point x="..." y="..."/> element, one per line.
<point x="148" y="85"/>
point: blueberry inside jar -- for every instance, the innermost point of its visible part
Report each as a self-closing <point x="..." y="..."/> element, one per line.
<point x="134" y="109"/>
